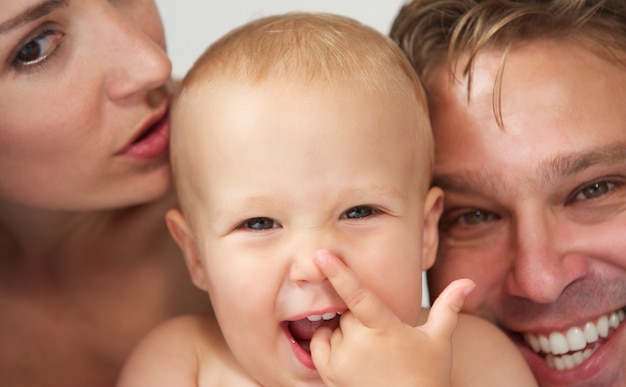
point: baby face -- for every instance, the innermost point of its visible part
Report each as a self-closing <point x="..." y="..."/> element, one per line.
<point x="279" y="171"/>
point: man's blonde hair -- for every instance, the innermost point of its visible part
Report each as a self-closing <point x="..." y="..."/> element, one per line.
<point x="435" y="32"/>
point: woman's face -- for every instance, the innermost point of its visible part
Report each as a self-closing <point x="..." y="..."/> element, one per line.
<point x="83" y="106"/>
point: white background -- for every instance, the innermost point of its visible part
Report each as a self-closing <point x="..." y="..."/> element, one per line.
<point x="191" y="25"/>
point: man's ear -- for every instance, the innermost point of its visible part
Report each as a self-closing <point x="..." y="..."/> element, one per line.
<point x="432" y="212"/>
<point x="181" y="232"/>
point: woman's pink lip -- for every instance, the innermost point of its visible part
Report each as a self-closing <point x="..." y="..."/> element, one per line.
<point x="152" y="142"/>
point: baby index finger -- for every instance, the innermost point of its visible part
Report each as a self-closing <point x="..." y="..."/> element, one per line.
<point x="363" y="304"/>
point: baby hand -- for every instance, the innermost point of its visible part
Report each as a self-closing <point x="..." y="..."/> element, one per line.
<point x="373" y="347"/>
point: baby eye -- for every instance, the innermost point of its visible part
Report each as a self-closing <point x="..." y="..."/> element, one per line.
<point x="594" y="190"/>
<point x="259" y="224"/>
<point x="38" y="49"/>
<point x="358" y="212"/>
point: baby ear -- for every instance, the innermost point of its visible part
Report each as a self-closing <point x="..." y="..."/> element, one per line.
<point x="181" y="232"/>
<point x="432" y="212"/>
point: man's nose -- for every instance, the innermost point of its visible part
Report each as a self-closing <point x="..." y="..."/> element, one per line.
<point x="543" y="262"/>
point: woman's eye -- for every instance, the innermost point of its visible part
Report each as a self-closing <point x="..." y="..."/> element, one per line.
<point x="259" y="224"/>
<point x="594" y="190"/>
<point x="38" y="49"/>
<point x="358" y="212"/>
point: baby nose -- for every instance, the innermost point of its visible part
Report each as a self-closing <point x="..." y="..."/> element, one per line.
<point x="303" y="268"/>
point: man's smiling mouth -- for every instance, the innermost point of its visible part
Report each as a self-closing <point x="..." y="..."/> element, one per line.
<point x="569" y="349"/>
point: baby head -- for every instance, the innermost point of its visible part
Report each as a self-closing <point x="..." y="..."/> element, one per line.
<point x="293" y="134"/>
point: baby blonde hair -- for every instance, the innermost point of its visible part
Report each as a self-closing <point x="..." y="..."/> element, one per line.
<point x="311" y="49"/>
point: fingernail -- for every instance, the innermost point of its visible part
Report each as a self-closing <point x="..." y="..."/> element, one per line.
<point x="469" y="289"/>
<point x="321" y="257"/>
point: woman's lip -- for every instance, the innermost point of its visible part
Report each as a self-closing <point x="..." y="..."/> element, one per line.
<point x="152" y="142"/>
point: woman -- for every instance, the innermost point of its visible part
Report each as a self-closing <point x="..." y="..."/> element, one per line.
<point x="86" y="263"/>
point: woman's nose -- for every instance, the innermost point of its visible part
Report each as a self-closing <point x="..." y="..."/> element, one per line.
<point x="138" y="64"/>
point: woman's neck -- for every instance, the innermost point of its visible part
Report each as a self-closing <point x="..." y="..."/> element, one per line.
<point x="41" y="243"/>
<point x="28" y="234"/>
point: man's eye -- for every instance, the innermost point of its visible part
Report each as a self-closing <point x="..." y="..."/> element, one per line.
<point x="358" y="212"/>
<point x="38" y="49"/>
<point x="475" y="217"/>
<point x="259" y="224"/>
<point x="594" y="190"/>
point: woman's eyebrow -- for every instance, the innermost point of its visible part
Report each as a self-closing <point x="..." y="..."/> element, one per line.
<point x="32" y="13"/>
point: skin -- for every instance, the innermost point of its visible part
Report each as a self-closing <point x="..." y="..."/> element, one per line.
<point x="334" y="161"/>
<point x="87" y="266"/>
<point x="296" y="210"/>
<point x="535" y="212"/>
<point x="107" y="104"/>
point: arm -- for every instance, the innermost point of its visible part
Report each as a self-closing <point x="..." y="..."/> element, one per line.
<point x="165" y="357"/>
<point x="373" y="347"/>
<point x="485" y="356"/>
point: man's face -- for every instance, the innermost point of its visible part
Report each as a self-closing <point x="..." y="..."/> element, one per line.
<point x="535" y="212"/>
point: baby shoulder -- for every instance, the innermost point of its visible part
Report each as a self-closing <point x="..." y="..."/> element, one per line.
<point x="172" y="352"/>
<point x="483" y="355"/>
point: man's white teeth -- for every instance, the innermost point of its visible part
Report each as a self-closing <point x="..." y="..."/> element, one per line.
<point x="325" y="316"/>
<point x="567" y="362"/>
<point x="575" y="340"/>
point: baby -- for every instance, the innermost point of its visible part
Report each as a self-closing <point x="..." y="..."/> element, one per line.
<point x="302" y="154"/>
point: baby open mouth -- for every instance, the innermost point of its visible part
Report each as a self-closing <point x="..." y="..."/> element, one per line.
<point x="302" y="330"/>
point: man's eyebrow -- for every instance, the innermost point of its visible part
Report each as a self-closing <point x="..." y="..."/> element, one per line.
<point x="560" y="166"/>
<point x="467" y="182"/>
<point x="32" y="13"/>
<point x="569" y="164"/>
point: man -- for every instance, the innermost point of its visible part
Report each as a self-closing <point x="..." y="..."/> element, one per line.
<point x="527" y="105"/>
